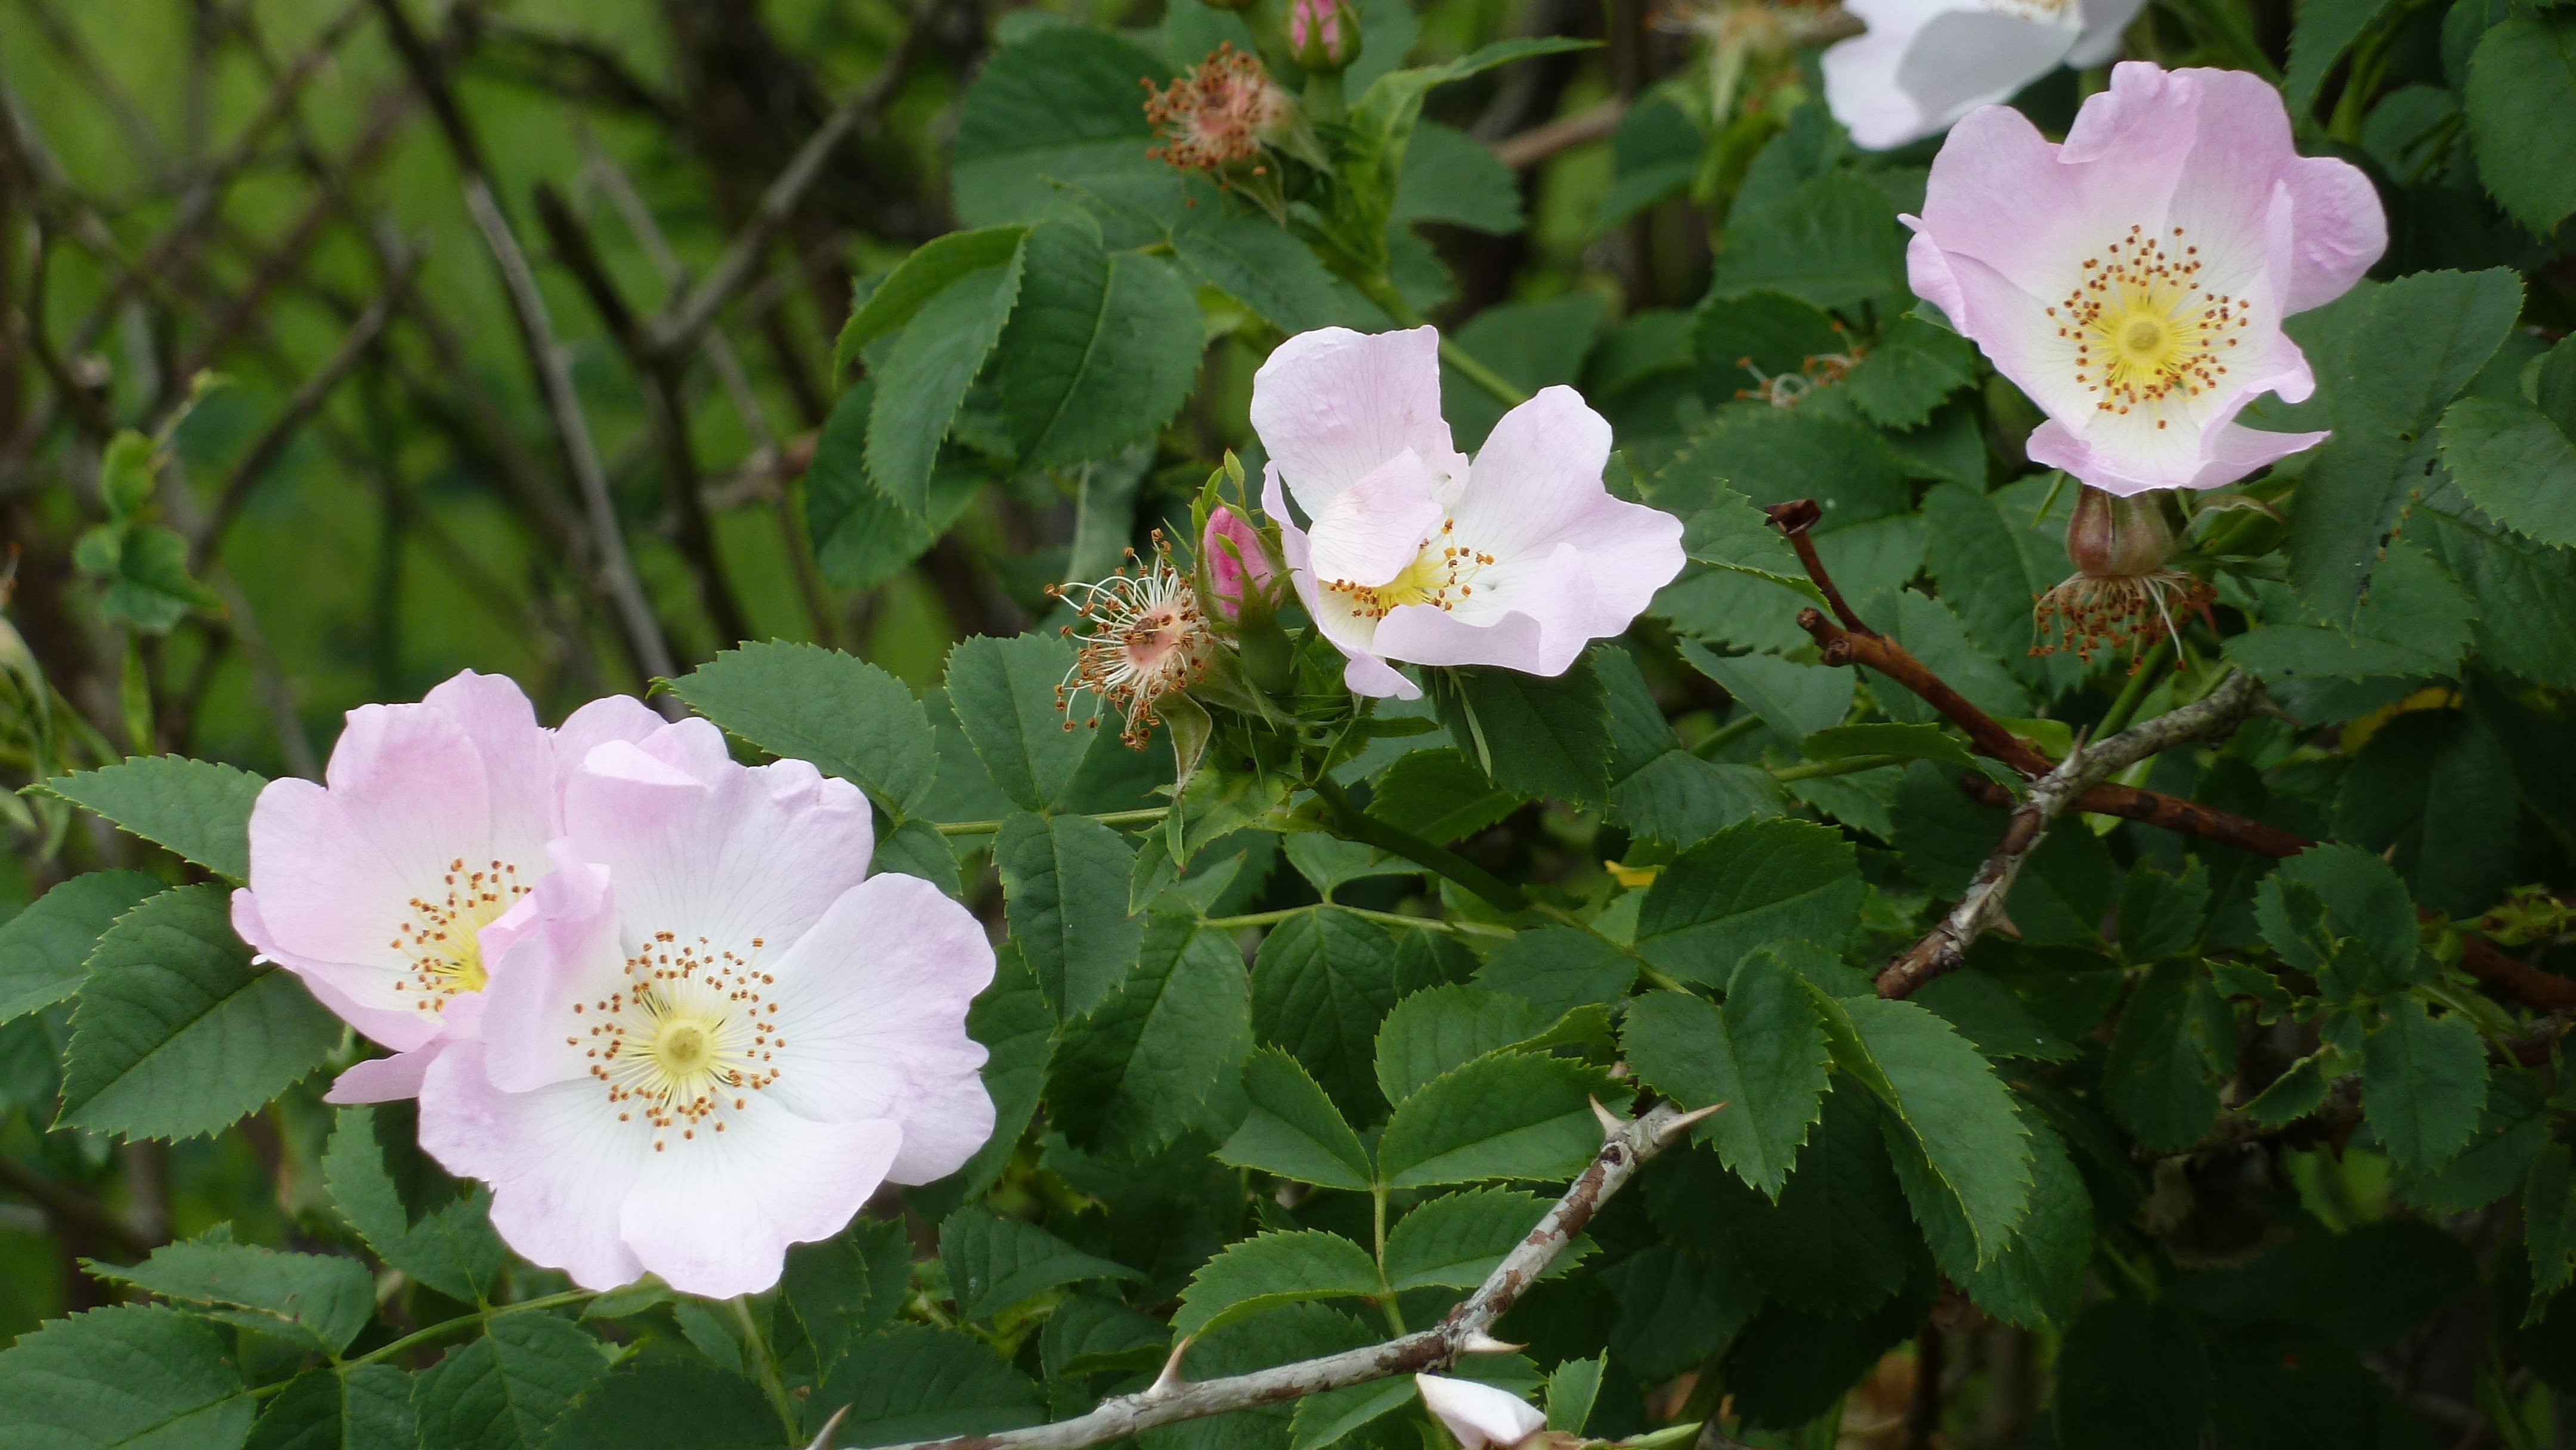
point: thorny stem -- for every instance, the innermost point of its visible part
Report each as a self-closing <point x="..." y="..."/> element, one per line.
<point x="1425" y="1349"/>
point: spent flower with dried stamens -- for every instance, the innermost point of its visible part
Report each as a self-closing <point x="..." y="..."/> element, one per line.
<point x="1220" y="115"/>
<point x="2121" y="596"/>
<point x="1143" y="637"/>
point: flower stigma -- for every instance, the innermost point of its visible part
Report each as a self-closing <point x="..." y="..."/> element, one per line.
<point x="1143" y="637"/>
<point x="442" y="939"/>
<point x="687" y="1040"/>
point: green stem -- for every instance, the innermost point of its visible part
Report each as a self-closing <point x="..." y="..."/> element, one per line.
<point x="1146" y="816"/>
<point x="1847" y="765"/>
<point x="1382" y="292"/>
<point x="1727" y="734"/>
<point x="2134" y="693"/>
<point x="1391" y="918"/>
<point x="1368" y="830"/>
<point x="443" y="1327"/>
<point x="767" y="1363"/>
<point x="1377" y="1219"/>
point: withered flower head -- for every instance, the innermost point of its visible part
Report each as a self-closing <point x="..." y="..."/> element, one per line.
<point x="1143" y="637"/>
<point x="2121" y="596"/>
<point x="1218" y="114"/>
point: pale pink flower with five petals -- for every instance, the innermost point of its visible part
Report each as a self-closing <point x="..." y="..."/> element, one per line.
<point x="1413" y="553"/>
<point x="710" y="1033"/>
<point x="432" y="821"/>
<point x="2133" y="280"/>
<point x="1923" y="64"/>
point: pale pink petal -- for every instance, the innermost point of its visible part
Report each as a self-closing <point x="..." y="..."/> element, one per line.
<point x="1539" y="471"/>
<point x="877" y="991"/>
<point x="1350" y="631"/>
<point x="942" y="1131"/>
<point x="1333" y="404"/>
<point x="518" y="760"/>
<point x="1927" y="270"/>
<point x="1366" y="674"/>
<point x="1970" y="56"/>
<point x="714" y="1214"/>
<point x="384" y="1079"/>
<point x="2340" y="226"/>
<point x="1480" y="1415"/>
<point x="559" y="951"/>
<point x="1533" y="614"/>
<point x="2228" y="453"/>
<point x="361" y="996"/>
<point x="2000" y="193"/>
<point x="1373" y="530"/>
<point x="698" y="846"/>
<point x="560" y="1165"/>
<point x="611" y="717"/>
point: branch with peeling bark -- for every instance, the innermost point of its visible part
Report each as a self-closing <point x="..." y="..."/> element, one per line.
<point x="1854" y="643"/>
<point x="1945" y="949"/>
<point x="1467" y="1330"/>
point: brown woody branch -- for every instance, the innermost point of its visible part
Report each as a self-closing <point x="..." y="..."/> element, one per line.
<point x="1171" y="1399"/>
<point x="1855" y="643"/>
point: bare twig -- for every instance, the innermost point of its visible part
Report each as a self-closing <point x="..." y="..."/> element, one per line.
<point x="316" y="390"/>
<point x="2482" y="959"/>
<point x="691" y="310"/>
<point x="72" y="1208"/>
<point x="1170" y="1400"/>
<point x="554" y="377"/>
<point x="1545" y="142"/>
<point x="1945" y="948"/>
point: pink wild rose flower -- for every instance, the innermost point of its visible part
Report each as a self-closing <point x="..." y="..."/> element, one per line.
<point x="1923" y="64"/>
<point x="432" y="821"/>
<point x="1481" y="1416"/>
<point x="710" y="1032"/>
<point x="1415" y="554"/>
<point x="2133" y="280"/>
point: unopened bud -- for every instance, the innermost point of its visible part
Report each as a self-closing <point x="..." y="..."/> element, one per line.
<point x="1237" y="563"/>
<point x="1323" y="35"/>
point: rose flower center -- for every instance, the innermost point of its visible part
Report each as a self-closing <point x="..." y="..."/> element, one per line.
<point x="2145" y="330"/>
<point x="440" y="937"/>
<point x="686" y="1040"/>
<point x="1440" y="576"/>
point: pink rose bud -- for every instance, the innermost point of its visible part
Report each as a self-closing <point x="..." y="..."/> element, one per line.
<point x="1236" y="561"/>
<point x="1323" y="35"/>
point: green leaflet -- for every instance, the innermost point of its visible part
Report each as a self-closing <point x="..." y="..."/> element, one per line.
<point x="177" y="1033"/>
<point x="1432" y="1031"/>
<point x="918" y="278"/>
<point x="45" y="948"/>
<point x="1011" y="1018"/>
<point x="1321" y="984"/>
<point x="197" y="808"/>
<point x="1503" y="1116"/>
<point x="848" y="1286"/>
<point x="1537" y="736"/>
<point x="1163" y="1055"/>
<point x="2175" y="1034"/>
<point x="321" y="1302"/>
<point x="996" y="1262"/>
<point x="924" y="377"/>
<point x="1762" y="1054"/>
<point x="846" y="716"/>
<point x="1755" y="882"/>
<point x="506" y="1389"/>
<point x="1830" y="241"/>
<point x="1100" y="351"/>
<point x="1456" y="1240"/>
<point x="416" y="1221"/>
<point x="2423" y="1084"/>
<point x="1065" y="878"/>
<point x="129" y="1375"/>
<point x="665" y="1396"/>
<point x="1961" y="1116"/>
<point x="1058" y="106"/>
<point x="2522" y="83"/>
<point x="1271" y="1270"/>
<point x="912" y="1382"/>
<point x="1293" y="1130"/>
<point x="363" y="1407"/>
<point x="1003" y="691"/>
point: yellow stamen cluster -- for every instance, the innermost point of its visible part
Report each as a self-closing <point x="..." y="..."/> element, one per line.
<point x="1440" y="571"/>
<point x="439" y="937"/>
<point x="2144" y="329"/>
<point x="686" y="1039"/>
